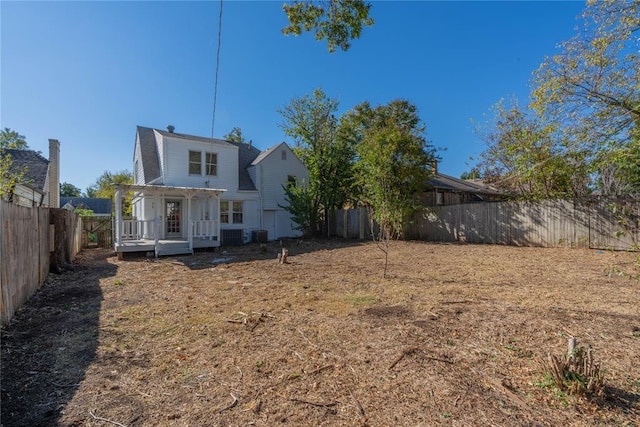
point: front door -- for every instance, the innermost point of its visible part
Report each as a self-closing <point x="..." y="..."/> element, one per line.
<point x="173" y="223"/>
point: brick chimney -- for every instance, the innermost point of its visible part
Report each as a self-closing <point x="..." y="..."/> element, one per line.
<point x="54" y="173"/>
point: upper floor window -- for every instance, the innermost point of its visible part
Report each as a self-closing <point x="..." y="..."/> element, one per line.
<point x="212" y="164"/>
<point x="284" y="154"/>
<point x="195" y="163"/>
<point x="292" y="181"/>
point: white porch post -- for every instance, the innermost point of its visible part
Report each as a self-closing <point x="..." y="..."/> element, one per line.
<point x="189" y="222"/>
<point x="218" y="220"/>
<point x="156" y="228"/>
<point x="118" y="215"/>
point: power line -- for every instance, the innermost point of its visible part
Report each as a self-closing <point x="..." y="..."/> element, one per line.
<point x="215" y="87"/>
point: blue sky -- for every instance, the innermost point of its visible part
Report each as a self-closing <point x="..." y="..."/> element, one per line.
<point x="86" y="73"/>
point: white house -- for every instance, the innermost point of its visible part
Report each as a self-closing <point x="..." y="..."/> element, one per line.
<point x="194" y="192"/>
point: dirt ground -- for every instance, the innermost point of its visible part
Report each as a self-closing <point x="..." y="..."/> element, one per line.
<point x="454" y="336"/>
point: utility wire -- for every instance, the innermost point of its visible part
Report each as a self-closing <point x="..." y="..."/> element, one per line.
<point x="215" y="87"/>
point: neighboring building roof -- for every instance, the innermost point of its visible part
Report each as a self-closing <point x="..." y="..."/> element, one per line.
<point x="442" y="181"/>
<point x="99" y="206"/>
<point x="151" y="159"/>
<point x="35" y="166"/>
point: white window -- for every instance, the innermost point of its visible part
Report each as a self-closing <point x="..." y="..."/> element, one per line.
<point x="224" y="212"/>
<point x="231" y="212"/>
<point x="212" y="164"/>
<point x="237" y="212"/>
<point x="195" y="163"/>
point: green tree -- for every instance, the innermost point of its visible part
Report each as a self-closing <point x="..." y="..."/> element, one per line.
<point x="10" y="175"/>
<point x="12" y="139"/>
<point x="591" y="90"/>
<point x="69" y="190"/>
<point x="104" y="187"/>
<point x="313" y="125"/>
<point x="300" y="204"/>
<point x="394" y="164"/>
<point x="474" y="173"/>
<point x="527" y="158"/>
<point x="337" y="21"/>
<point x="235" y="135"/>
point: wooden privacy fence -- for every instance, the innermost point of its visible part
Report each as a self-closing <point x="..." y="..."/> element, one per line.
<point x="33" y="241"/>
<point x="594" y="223"/>
<point x="97" y="232"/>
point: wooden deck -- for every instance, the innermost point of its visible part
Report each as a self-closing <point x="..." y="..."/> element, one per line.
<point x="165" y="247"/>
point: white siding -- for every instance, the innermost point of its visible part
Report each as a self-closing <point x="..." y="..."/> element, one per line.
<point x="269" y="175"/>
<point x="176" y="171"/>
<point x="274" y="172"/>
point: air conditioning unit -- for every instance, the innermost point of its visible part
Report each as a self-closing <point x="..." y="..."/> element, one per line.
<point x="232" y="237"/>
<point x="259" y="236"/>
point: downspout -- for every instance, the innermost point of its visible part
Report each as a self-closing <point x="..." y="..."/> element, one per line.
<point x="261" y="211"/>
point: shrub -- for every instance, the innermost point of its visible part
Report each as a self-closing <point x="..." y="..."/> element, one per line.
<point x="576" y="373"/>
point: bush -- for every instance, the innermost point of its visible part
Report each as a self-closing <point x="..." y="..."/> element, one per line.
<point x="576" y="373"/>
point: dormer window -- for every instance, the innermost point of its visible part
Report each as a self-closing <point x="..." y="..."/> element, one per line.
<point x="212" y="164"/>
<point x="195" y="163"/>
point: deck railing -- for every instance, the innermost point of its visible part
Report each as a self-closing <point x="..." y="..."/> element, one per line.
<point x="137" y="229"/>
<point x="204" y="228"/>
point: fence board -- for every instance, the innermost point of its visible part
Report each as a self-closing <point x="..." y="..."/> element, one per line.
<point x="25" y="252"/>
<point x="588" y="222"/>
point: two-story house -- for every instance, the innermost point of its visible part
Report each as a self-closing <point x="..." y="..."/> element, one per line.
<point x="196" y="192"/>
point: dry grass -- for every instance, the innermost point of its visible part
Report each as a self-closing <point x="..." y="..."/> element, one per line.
<point x="452" y="337"/>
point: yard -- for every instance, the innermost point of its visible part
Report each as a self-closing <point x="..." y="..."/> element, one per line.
<point x="455" y="336"/>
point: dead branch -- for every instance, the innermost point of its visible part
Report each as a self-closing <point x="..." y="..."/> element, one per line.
<point x="411" y="350"/>
<point x="437" y="359"/>
<point x="401" y="356"/>
<point x="357" y="403"/>
<point x="164" y="331"/>
<point x="231" y="405"/>
<point x="315" y="371"/>
<point x="320" y="404"/>
<point x="306" y="339"/>
<point x="95" y="417"/>
<point x="515" y="399"/>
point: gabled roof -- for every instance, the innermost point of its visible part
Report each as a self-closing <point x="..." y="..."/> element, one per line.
<point x="247" y="153"/>
<point x="151" y="158"/>
<point x="264" y="154"/>
<point x="35" y="167"/>
<point x="96" y="204"/>
<point x="149" y="153"/>
<point x="446" y="182"/>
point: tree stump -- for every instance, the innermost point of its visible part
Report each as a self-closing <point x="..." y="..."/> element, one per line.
<point x="282" y="256"/>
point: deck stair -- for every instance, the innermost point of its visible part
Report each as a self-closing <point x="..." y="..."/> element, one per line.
<point x="173" y="248"/>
